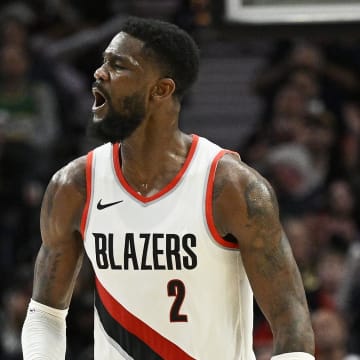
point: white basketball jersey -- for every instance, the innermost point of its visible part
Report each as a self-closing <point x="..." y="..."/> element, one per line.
<point x="168" y="286"/>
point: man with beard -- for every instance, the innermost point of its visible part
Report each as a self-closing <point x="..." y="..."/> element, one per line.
<point x="180" y="232"/>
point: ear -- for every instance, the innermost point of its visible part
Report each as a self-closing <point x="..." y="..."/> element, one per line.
<point x="163" y="89"/>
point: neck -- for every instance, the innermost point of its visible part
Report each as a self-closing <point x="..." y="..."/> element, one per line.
<point x="148" y="153"/>
<point x="155" y="136"/>
<point x="151" y="158"/>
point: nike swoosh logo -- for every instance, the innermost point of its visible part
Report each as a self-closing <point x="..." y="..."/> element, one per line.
<point x="101" y="206"/>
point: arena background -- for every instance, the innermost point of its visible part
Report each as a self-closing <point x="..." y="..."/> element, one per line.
<point x="285" y="94"/>
<point x="297" y="2"/>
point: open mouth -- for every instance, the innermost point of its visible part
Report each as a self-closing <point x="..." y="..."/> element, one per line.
<point x="99" y="101"/>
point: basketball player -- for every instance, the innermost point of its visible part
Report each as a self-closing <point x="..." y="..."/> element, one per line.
<point x="180" y="232"/>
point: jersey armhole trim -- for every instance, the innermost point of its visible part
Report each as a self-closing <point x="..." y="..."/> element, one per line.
<point x="209" y="203"/>
<point x="88" y="176"/>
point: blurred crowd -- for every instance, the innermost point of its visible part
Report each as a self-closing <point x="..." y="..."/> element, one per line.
<point x="307" y="144"/>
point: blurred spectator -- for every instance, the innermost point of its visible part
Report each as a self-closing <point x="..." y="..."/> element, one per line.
<point x="338" y="219"/>
<point x="14" y="302"/>
<point x="308" y="146"/>
<point x="335" y="82"/>
<point x="308" y="84"/>
<point x="28" y="126"/>
<point x="349" y="297"/>
<point x="305" y="251"/>
<point x="13" y="32"/>
<point x="330" y="336"/>
<point x="288" y="115"/>
<point x="318" y="134"/>
<point x="28" y="109"/>
<point x="289" y="168"/>
<point x="193" y="15"/>
<point x="348" y="165"/>
<point x="283" y="125"/>
<point x="331" y="269"/>
<point x="15" y="307"/>
<point x="46" y="66"/>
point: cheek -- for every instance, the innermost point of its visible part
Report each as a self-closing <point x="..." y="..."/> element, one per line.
<point x="115" y="101"/>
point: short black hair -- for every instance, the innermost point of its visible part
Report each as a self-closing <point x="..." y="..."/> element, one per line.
<point x="171" y="47"/>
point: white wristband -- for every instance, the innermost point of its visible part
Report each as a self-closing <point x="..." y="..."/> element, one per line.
<point x="293" y="356"/>
<point x="44" y="333"/>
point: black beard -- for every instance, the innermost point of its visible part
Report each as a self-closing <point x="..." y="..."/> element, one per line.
<point x="117" y="126"/>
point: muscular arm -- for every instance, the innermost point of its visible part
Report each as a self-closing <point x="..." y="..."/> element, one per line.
<point x="60" y="257"/>
<point x="245" y="206"/>
<point x="57" y="264"/>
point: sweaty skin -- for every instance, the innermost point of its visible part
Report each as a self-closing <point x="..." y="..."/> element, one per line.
<point x="244" y="204"/>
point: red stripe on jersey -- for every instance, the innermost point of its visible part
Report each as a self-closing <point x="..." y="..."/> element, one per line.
<point x="88" y="171"/>
<point x="159" y="344"/>
<point x="209" y="203"/>
<point x="167" y="188"/>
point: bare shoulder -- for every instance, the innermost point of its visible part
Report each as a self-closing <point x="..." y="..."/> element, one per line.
<point x="234" y="177"/>
<point x="64" y="200"/>
<point x="72" y="176"/>
<point x="241" y="195"/>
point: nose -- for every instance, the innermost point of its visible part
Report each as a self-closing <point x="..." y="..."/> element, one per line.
<point x="101" y="73"/>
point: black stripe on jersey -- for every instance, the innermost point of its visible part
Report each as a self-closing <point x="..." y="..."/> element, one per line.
<point x="128" y="341"/>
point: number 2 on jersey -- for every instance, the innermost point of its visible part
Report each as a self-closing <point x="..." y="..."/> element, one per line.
<point x="176" y="288"/>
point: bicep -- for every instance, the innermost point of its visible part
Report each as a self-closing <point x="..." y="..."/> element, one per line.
<point x="267" y="255"/>
<point x="266" y="252"/>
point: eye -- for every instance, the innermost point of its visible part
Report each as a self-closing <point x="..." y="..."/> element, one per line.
<point x="118" y="66"/>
